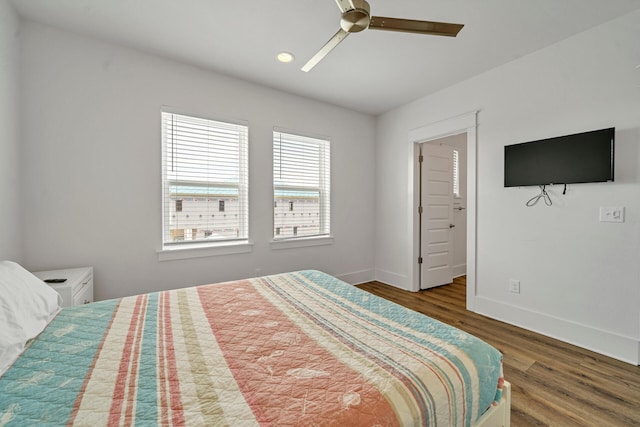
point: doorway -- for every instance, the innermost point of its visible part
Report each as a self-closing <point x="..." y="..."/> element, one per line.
<point x="461" y="125"/>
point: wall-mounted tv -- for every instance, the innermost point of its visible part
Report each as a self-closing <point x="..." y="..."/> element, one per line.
<point x="579" y="158"/>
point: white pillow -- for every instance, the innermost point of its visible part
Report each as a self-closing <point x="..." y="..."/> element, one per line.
<point x="27" y="305"/>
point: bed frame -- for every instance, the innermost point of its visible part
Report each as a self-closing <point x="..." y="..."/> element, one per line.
<point x="499" y="415"/>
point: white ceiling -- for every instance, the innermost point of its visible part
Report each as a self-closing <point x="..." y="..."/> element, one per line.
<point x="372" y="71"/>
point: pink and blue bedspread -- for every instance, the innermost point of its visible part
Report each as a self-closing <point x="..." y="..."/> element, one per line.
<point x="293" y="349"/>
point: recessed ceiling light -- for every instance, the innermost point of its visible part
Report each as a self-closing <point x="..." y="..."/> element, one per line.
<point x="285" y="57"/>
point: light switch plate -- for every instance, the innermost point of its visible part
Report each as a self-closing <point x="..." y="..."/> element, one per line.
<point x="612" y="214"/>
<point x="514" y="286"/>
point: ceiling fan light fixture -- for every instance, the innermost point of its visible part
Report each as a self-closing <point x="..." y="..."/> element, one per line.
<point x="285" y="57"/>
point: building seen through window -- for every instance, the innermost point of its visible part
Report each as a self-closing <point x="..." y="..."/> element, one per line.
<point x="297" y="213"/>
<point x="205" y="213"/>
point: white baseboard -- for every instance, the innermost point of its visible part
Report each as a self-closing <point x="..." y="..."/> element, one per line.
<point x="401" y="281"/>
<point x="393" y="279"/>
<point x="459" y="270"/>
<point x="357" y="277"/>
<point x="619" y="347"/>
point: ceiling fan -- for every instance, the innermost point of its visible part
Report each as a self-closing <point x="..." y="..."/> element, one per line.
<point x="356" y="17"/>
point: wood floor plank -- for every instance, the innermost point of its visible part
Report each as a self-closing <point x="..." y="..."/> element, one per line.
<point x="553" y="383"/>
<point x="593" y="403"/>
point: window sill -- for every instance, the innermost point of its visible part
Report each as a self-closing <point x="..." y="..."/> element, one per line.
<point x="205" y="250"/>
<point x="301" y="242"/>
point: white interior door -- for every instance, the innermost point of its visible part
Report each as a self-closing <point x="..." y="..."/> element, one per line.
<point x="437" y="216"/>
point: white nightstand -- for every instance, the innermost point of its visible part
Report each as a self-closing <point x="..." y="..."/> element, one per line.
<point x="76" y="290"/>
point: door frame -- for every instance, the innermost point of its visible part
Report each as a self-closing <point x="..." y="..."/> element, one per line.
<point x="466" y="123"/>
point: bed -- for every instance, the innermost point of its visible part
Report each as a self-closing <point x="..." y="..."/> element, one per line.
<point x="300" y="348"/>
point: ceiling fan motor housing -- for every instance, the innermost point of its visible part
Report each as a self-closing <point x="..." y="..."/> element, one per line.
<point x="356" y="19"/>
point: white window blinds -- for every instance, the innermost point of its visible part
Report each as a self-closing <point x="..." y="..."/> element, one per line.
<point x="301" y="186"/>
<point x="456" y="175"/>
<point x="205" y="180"/>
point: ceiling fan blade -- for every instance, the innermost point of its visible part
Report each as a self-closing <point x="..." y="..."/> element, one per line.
<point x="345" y="5"/>
<point x="328" y="47"/>
<point x="412" y="26"/>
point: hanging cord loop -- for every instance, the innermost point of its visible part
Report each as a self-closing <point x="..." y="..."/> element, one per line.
<point x="543" y="195"/>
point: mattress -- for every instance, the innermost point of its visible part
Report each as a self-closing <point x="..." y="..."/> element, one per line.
<point x="299" y="348"/>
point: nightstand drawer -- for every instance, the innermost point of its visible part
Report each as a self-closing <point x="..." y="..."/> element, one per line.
<point x="85" y="293"/>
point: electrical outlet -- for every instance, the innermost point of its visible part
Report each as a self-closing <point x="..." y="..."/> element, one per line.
<point x="514" y="286"/>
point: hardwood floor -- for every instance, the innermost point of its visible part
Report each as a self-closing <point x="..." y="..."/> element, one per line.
<point x="553" y="383"/>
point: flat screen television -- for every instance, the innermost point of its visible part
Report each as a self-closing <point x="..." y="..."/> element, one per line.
<point x="579" y="158"/>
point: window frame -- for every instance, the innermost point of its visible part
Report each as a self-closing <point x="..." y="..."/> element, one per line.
<point x="323" y="237"/>
<point x="222" y="246"/>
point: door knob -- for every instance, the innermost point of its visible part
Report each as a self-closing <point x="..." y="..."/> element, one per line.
<point x="451" y="225"/>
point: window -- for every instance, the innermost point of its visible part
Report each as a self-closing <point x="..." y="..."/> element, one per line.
<point x="301" y="184"/>
<point x="205" y="171"/>
<point x="456" y="175"/>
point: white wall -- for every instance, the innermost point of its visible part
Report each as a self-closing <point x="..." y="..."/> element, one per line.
<point x="91" y="135"/>
<point x="10" y="200"/>
<point x="580" y="278"/>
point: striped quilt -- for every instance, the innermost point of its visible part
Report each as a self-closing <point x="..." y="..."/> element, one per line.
<point x="293" y="349"/>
